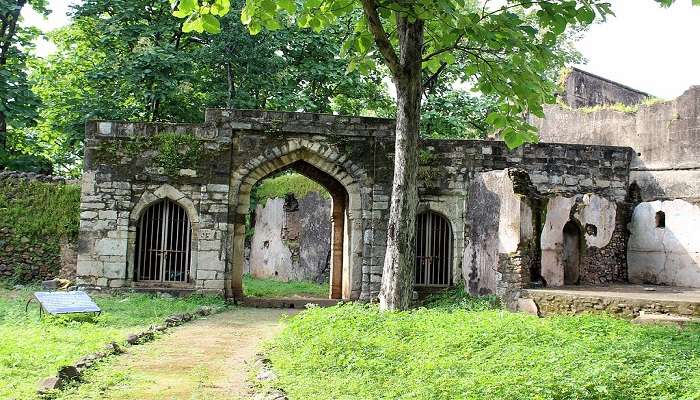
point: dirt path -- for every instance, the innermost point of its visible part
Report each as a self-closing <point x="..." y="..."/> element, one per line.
<point x="206" y="359"/>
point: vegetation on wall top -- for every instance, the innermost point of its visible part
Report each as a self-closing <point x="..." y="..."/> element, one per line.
<point x="174" y="151"/>
<point x="286" y="183"/>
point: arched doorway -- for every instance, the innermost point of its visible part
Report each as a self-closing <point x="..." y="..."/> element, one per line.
<point x="571" y="253"/>
<point x="162" y="252"/>
<point x="433" y="246"/>
<point x="345" y="197"/>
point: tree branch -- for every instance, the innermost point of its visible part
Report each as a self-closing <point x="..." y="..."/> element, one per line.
<point x="380" y="37"/>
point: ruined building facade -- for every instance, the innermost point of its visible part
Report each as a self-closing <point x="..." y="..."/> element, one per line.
<point x="165" y="205"/>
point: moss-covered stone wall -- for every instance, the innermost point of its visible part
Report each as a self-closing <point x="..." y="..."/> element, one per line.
<point x="39" y="216"/>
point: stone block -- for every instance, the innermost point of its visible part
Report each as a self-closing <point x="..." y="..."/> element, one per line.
<point x="89" y="268"/>
<point x="213" y="284"/>
<point x="107" y="215"/>
<point x="88" y="215"/>
<point x="206" y="274"/>
<point x="114" y="270"/>
<point x="528" y="306"/>
<point x="115" y="247"/>
<point x="209" y="260"/>
<point x="217" y="188"/>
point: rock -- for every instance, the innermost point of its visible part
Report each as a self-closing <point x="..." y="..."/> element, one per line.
<point x="18" y="287"/>
<point x="173" y="320"/>
<point x="166" y="295"/>
<point x="113" y="348"/>
<point x="132" y="339"/>
<point x="85" y="361"/>
<point x="204" y="311"/>
<point x="664" y="319"/>
<point x="68" y="373"/>
<point x="266" y="375"/>
<point x="528" y="306"/>
<point x="49" y="384"/>
<point x="50" y="284"/>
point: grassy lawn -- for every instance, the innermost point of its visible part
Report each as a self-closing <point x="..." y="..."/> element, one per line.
<point x="31" y="349"/>
<point x="470" y="351"/>
<point x="259" y="287"/>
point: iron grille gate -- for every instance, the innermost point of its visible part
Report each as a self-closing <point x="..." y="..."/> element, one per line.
<point x="433" y="250"/>
<point x="163" y="244"/>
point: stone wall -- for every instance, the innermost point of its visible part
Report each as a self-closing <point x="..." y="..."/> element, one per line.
<point x="292" y="243"/>
<point x="571" y="304"/>
<point x="664" y="137"/>
<point x="499" y="231"/>
<point x="664" y="173"/>
<point x="26" y="257"/>
<point x="668" y="253"/>
<point x="351" y="157"/>
<point x="583" y="89"/>
<point x="124" y="174"/>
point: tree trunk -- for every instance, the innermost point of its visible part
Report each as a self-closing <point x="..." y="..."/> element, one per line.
<point x="9" y="28"/>
<point x="3" y="133"/>
<point x="229" y="80"/>
<point x="399" y="262"/>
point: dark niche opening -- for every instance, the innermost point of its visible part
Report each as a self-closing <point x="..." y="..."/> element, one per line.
<point x="660" y="219"/>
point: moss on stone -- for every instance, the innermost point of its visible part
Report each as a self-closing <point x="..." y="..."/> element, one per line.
<point x="34" y="218"/>
<point x="173" y="151"/>
<point x="287" y="183"/>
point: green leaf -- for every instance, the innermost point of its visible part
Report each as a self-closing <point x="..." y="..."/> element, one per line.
<point x="221" y="7"/>
<point x="193" y="24"/>
<point x="287" y="5"/>
<point x="211" y="24"/>
<point x="512" y="138"/>
<point x="188" y="6"/>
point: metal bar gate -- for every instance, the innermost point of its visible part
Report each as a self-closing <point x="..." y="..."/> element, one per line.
<point x="433" y="250"/>
<point x="163" y="238"/>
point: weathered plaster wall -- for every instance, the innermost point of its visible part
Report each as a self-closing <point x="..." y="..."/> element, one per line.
<point x="668" y="255"/>
<point x="584" y="89"/>
<point x="602" y="247"/>
<point x="499" y="222"/>
<point x="303" y="257"/>
<point x="314" y="238"/>
<point x="665" y="138"/>
<point x="269" y="256"/>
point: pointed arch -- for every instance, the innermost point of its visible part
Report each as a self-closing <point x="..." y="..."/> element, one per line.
<point x="334" y="171"/>
<point x="148" y="199"/>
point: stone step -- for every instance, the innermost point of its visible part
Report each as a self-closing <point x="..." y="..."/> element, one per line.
<point x="664" y="319"/>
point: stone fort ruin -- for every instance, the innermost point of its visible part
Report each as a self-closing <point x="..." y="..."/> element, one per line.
<point x="607" y="197"/>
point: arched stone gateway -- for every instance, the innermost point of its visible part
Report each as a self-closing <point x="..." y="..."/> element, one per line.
<point x="344" y="188"/>
<point x="214" y="168"/>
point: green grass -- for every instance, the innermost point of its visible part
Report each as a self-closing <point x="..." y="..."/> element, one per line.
<point x="31" y="349"/>
<point x="353" y="351"/>
<point x="258" y="287"/>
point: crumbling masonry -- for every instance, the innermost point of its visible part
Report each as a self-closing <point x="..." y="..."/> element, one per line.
<point x="544" y="214"/>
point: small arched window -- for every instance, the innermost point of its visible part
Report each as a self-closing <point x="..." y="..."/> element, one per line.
<point x="433" y="250"/>
<point x="163" y="238"/>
